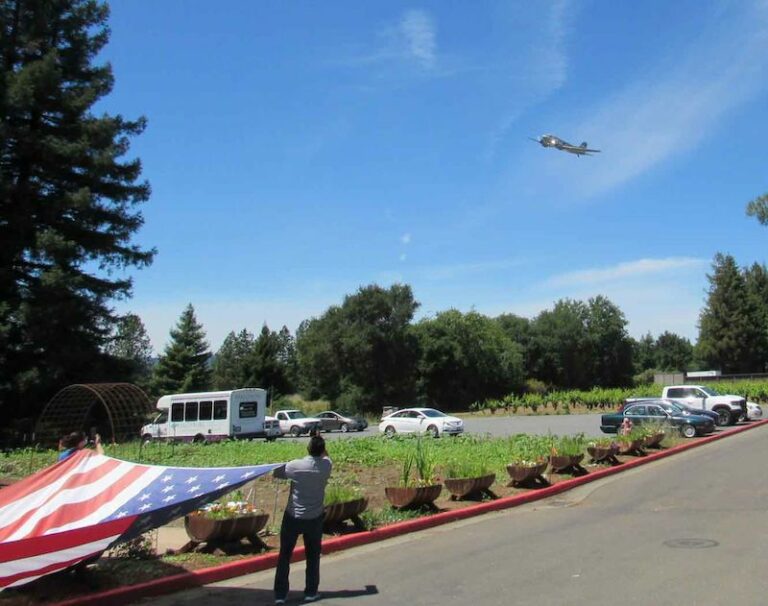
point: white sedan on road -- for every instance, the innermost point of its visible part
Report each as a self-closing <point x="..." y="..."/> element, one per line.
<point x="420" y="420"/>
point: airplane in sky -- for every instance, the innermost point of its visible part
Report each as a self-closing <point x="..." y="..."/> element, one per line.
<point x="558" y="143"/>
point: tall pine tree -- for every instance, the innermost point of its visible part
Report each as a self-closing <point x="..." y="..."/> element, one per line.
<point x="183" y="367"/>
<point x="68" y="200"/>
<point x="729" y="325"/>
<point x="230" y="368"/>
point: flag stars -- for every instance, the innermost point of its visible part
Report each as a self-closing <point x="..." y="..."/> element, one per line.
<point x="145" y="507"/>
<point x="122" y="514"/>
<point x="218" y="478"/>
<point x="195" y="488"/>
<point x="247" y="474"/>
<point x="144" y="497"/>
<point x="191" y="480"/>
<point x="167" y="489"/>
<point x="169" y="498"/>
<point x="167" y="478"/>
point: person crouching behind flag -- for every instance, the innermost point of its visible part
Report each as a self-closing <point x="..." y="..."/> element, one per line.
<point x="303" y="516"/>
<point x="77" y="440"/>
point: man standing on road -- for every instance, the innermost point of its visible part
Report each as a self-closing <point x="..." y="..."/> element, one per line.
<point x="303" y="516"/>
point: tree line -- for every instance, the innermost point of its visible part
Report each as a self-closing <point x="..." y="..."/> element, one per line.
<point x="70" y="207"/>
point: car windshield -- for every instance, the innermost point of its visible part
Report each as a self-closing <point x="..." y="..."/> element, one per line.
<point x="431" y="412"/>
<point x="709" y="391"/>
<point x="296" y="414"/>
<point x="161" y="418"/>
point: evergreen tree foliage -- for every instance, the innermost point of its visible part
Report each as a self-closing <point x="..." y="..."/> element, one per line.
<point x="644" y="353"/>
<point x="519" y="330"/>
<point x="68" y="200"/>
<point x="268" y="362"/>
<point x="730" y="323"/>
<point x="183" y="367"/>
<point x="757" y="290"/>
<point x="758" y="208"/>
<point x="673" y="352"/>
<point x="131" y="343"/>
<point x="611" y="346"/>
<point x="561" y="348"/>
<point x="466" y="358"/>
<point x="231" y="364"/>
<point x="361" y="354"/>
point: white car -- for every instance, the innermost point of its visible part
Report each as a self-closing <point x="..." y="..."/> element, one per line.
<point x="420" y="420"/>
<point x="754" y="412"/>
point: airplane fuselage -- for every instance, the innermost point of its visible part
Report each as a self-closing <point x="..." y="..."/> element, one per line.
<point x="558" y="143"/>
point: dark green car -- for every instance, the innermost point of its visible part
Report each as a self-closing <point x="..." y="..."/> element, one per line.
<point x="690" y="425"/>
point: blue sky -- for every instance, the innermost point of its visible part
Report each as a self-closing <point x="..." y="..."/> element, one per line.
<point x="297" y="151"/>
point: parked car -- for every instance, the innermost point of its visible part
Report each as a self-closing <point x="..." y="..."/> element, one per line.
<point x="754" y="411"/>
<point x="295" y="422"/>
<point x="334" y="421"/>
<point x="670" y="405"/>
<point x="689" y="425"/>
<point x="421" y="420"/>
<point x="730" y="408"/>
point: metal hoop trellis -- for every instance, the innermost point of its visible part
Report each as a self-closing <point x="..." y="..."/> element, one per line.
<point x="122" y="405"/>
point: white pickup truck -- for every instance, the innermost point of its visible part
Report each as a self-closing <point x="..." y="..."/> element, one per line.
<point x="728" y="408"/>
<point x="296" y="422"/>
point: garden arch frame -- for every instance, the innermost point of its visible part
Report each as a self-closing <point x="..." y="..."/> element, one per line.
<point x="120" y="407"/>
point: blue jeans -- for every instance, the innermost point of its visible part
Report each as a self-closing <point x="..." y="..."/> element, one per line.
<point x="312" y="532"/>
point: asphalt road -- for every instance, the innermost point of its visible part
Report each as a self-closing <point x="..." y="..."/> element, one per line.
<point x="687" y="530"/>
<point x="502" y="426"/>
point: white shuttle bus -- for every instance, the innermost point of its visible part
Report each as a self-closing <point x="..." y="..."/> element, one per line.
<point x="212" y="416"/>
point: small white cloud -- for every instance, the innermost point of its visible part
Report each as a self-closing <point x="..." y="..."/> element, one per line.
<point x="623" y="270"/>
<point x="405" y="238"/>
<point x="417" y="31"/>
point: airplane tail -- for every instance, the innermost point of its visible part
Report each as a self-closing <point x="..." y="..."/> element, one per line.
<point x="583" y="144"/>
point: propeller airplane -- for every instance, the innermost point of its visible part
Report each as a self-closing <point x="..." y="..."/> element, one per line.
<point x="558" y="143"/>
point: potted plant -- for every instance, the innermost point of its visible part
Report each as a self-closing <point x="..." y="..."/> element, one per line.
<point x="529" y="460"/>
<point x="415" y="492"/>
<point x="344" y="502"/>
<point x="566" y="454"/>
<point x="228" y="522"/>
<point x="603" y="450"/>
<point x="464" y="478"/>
<point x="653" y="434"/>
<point x="631" y="442"/>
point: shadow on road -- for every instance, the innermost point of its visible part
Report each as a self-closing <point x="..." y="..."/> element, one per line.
<point x="215" y="596"/>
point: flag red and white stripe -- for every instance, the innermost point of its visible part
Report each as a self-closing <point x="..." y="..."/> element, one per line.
<point x="75" y="509"/>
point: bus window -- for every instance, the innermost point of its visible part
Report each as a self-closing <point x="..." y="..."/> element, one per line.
<point x="206" y="410"/>
<point x="249" y="410"/>
<point x="177" y="412"/>
<point x="219" y="410"/>
<point x="190" y="411"/>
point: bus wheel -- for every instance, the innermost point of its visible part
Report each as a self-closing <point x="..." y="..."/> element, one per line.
<point x="199" y="439"/>
<point x="146" y="438"/>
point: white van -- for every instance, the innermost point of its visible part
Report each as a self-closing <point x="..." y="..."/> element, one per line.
<point x="212" y="416"/>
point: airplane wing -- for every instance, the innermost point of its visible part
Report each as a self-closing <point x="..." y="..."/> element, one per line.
<point x="579" y="150"/>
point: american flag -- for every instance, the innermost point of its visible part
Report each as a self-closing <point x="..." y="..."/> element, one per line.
<point x="77" y="508"/>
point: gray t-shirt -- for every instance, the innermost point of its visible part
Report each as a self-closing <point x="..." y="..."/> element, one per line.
<point x="308" y="478"/>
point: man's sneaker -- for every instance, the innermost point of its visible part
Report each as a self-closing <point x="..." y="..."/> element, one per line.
<point x="312" y="598"/>
<point x="279" y="601"/>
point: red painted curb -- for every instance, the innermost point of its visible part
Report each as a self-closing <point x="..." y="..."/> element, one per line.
<point x="204" y="576"/>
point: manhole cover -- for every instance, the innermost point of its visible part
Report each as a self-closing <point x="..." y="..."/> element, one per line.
<point x="691" y="543"/>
